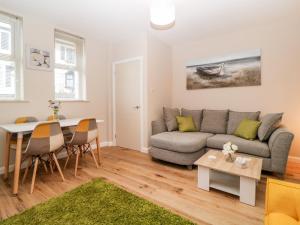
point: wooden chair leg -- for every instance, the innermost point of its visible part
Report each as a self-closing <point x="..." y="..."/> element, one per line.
<point x="6" y="155"/>
<point x="98" y="149"/>
<point x="66" y="163"/>
<point x="58" y="167"/>
<point x="27" y="169"/>
<point x="77" y="160"/>
<point x="50" y="166"/>
<point x="53" y="163"/>
<point x="45" y="166"/>
<point x="34" y="174"/>
<point x="68" y="157"/>
<point x="81" y="151"/>
<point x="93" y="156"/>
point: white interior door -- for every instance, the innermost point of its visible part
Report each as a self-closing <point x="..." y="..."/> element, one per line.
<point x="127" y="104"/>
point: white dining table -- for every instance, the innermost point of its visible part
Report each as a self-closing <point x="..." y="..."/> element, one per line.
<point x="20" y="130"/>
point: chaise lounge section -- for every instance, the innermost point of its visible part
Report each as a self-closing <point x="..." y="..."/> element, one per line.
<point x="184" y="148"/>
<point x="179" y="148"/>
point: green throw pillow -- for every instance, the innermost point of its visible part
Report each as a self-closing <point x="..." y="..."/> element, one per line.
<point x="247" y="129"/>
<point x="186" y="123"/>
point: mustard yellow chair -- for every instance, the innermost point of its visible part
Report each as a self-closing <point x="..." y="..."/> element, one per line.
<point x="46" y="139"/>
<point x="20" y="120"/>
<point x="282" y="203"/>
<point x="85" y="133"/>
<point x="26" y="137"/>
<point x="66" y="130"/>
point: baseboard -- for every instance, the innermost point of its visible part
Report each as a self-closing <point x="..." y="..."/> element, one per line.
<point x="295" y="159"/>
<point x="106" y="144"/>
<point x="60" y="156"/>
<point x="145" y="150"/>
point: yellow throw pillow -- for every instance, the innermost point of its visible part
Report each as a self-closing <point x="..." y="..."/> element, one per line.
<point x="186" y="123"/>
<point x="247" y="129"/>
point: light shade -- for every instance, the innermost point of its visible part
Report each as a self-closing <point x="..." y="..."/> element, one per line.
<point x="162" y="14"/>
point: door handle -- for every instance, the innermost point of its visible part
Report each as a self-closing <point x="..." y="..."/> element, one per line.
<point x="136" y="107"/>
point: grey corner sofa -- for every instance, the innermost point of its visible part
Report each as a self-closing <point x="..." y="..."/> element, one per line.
<point x="214" y="129"/>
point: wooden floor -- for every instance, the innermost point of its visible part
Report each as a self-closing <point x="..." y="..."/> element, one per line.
<point x="170" y="186"/>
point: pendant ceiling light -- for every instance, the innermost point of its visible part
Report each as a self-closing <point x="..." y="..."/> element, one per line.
<point x="162" y="14"/>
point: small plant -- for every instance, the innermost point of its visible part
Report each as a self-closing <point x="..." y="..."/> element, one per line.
<point x="228" y="150"/>
<point x="55" y="106"/>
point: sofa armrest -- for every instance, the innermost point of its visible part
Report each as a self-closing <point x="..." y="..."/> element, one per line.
<point x="158" y="126"/>
<point x="280" y="143"/>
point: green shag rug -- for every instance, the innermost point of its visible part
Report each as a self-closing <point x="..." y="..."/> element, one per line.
<point x="97" y="202"/>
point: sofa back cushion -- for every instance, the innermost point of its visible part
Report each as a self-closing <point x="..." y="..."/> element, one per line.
<point x="170" y="118"/>
<point x="235" y="118"/>
<point x="195" y="114"/>
<point x="269" y="123"/>
<point x="214" y="121"/>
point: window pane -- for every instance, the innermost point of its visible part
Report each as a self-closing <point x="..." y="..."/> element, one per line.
<point x="7" y="80"/>
<point x="69" y="67"/>
<point x="5" y="38"/>
<point x="70" y="56"/>
<point x="65" y="54"/>
<point x="70" y="80"/>
<point x="10" y="57"/>
<point x="66" y="84"/>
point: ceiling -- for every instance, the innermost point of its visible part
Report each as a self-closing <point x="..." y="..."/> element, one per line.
<point x="112" y="20"/>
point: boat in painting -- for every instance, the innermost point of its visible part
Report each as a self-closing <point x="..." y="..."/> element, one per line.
<point x="210" y="71"/>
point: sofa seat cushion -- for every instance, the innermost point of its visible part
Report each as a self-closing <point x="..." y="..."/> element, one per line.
<point x="255" y="148"/>
<point x="180" y="142"/>
<point x="276" y="218"/>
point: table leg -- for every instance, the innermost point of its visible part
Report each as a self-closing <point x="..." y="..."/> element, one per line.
<point x="98" y="149"/>
<point x="6" y="155"/>
<point x="17" y="163"/>
<point x="247" y="190"/>
<point x="203" y="178"/>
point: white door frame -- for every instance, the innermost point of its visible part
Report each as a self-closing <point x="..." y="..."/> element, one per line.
<point x="139" y="59"/>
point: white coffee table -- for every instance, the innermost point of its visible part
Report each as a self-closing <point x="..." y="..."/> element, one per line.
<point x="228" y="177"/>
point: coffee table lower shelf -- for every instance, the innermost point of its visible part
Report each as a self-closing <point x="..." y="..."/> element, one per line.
<point x="241" y="186"/>
<point x="224" y="182"/>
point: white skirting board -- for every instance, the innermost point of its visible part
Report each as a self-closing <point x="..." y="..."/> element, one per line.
<point x="294" y="159"/>
<point x="60" y="156"/>
<point x="145" y="150"/>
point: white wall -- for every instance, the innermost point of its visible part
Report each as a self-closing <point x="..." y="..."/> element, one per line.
<point x="39" y="85"/>
<point x="279" y="92"/>
<point x="159" y="78"/>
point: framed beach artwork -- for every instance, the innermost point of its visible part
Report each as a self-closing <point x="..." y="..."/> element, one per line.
<point x="39" y="59"/>
<point x="234" y="70"/>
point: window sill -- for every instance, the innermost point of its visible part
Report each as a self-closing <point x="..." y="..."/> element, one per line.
<point x="14" y="101"/>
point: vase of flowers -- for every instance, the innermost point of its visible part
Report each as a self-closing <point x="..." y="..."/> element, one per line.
<point x="228" y="150"/>
<point x="55" y="106"/>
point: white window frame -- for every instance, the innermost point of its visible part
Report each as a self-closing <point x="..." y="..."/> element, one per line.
<point x="16" y="54"/>
<point x="60" y="38"/>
